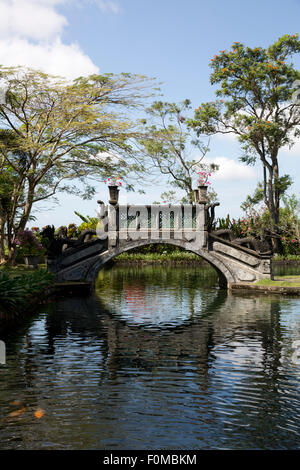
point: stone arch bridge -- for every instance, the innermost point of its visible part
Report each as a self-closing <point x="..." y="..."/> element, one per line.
<point x="124" y="227"/>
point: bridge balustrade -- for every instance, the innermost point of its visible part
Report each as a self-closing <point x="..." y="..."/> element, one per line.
<point x="132" y="222"/>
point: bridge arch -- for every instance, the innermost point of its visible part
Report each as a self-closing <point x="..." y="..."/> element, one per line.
<point x="189" y="229"/>
<point x="224" y="273"/>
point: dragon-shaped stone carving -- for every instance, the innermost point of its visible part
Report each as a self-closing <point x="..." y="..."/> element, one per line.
<point x="58" y="244"/>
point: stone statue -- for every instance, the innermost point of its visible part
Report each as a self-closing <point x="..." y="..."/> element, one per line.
<point x="56" y="244"/>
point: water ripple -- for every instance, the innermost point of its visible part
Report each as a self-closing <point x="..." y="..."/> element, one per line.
<point x="160" y="358"/>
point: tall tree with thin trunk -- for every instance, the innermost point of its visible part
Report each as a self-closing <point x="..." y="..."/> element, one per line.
<point x="259" y="103"/>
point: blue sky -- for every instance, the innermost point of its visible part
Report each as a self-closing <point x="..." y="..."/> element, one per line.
<point x="171" y="40"/>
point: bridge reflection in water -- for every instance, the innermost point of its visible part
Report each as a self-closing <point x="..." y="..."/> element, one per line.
<point x="215" y="372"/>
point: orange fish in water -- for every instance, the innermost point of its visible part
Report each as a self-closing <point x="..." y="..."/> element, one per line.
<point x="39" y="413"/>
<point x="16" y="403"/>
<point x="15" y="414"/>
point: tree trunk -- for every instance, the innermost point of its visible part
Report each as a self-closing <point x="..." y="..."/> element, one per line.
<point x="12" y="248"/>
<point x="2" y="234"/>
<point x="276" y="192"/>
<point x="2" y="241"/>
<point x="27" y="208"/>
<point x="272" y="198"/>
<point x="12" y="255"/>
<point x="277" y="248"/>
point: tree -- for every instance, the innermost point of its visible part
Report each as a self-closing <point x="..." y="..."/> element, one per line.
<point x="6" y="187"/>
<point x="169" y="143"/>
<point x="55" y="133"/>
<point x="258" y="195"/>
<point x="11" y="189"/>
<point x="257" y="91"/>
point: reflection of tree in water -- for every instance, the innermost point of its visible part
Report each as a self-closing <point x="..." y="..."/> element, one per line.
<point x="222" y="365"/>
<point x="124" y="345"/>
<point x="244" y="330"/>
<point x="135" y="295"/>
<point x="156" y="294"/>
<point x="156" y="275"/>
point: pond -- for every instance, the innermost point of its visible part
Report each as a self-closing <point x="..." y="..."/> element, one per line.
<point x="158" y="358"/>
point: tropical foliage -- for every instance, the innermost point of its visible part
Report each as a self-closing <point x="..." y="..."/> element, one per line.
<point x="257" y="218"/>
<point x="17" y="293"/>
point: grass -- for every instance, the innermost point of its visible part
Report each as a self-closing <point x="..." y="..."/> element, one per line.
<point x="150" y="257"/>
<point x="281" y="281"/>
<point x="182" y="256"/>
<point x="286" y="258"/>
<point x="14" y="271"/>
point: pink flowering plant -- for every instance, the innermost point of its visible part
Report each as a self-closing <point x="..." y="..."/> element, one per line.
<point x="203" y="177"/>
<point x="204" y="173"/>
<point x="253" y="223"/>
<point x="113" y="181"/>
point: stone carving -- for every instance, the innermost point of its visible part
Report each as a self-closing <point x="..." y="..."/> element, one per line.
<point x="245" y="276"/>
<point x="76" y="273"/>
<point x="56" y="245"/>
<point x="210" y="215"/>
<point x="261" y="244"/>
<point x="235" y="253"/>
<point x="266" y="267"/>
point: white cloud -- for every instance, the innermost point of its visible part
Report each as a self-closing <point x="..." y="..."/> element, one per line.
<point x="55" y="58"/>
<point x="231" y="170"/>
<point x="108" y="6"/>
<point x="112" y="156"/>
<point x="231" y="137"/>
<point x="31" y="36"/>
<point x="30" y="19"/>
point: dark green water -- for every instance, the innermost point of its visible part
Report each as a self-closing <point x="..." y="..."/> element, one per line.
<point x="159" y="359"/>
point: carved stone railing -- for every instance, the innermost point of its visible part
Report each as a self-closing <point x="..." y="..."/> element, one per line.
<point x="123" y="223"/>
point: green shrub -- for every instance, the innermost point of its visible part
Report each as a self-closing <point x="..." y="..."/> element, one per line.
<point x="88" y="223"/>
<point x="16" y="293"/>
